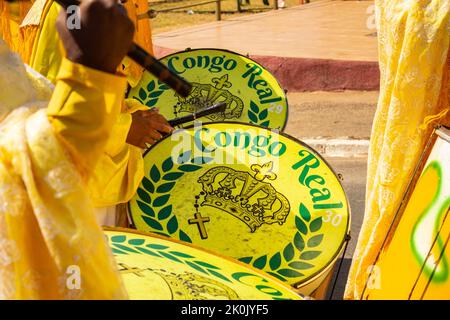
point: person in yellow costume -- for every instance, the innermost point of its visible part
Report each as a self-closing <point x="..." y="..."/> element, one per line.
<point x="413" y="40"/>
<point x="120" y="169"/>
<point x="51" y="246"/>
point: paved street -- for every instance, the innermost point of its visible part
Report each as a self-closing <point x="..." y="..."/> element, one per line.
<point x="353" y="171"/>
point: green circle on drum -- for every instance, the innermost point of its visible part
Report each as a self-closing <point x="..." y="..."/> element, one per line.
<point x="249" y="193"/>
<point x="252" y="93"/>
<point x="154" y="268"/>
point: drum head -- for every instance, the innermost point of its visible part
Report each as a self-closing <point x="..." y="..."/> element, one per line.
<point x="252" y="94"/>
<point x="245" y="192"/>
<point x="160" y="269"/>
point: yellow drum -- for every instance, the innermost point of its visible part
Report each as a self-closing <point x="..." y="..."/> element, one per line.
<point x="156" y="268"/>
<point x="249" y="193"/>
<point x="251" y="93"/>
<point x="414" y="260"/>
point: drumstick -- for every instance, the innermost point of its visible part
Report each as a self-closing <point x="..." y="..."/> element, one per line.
<point x="148" y="62"/>
<point x="219" y="107"/>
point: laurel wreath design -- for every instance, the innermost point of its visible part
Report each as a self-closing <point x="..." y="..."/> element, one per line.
<point x="302" y="248"/>
<point x="257" y="115"/>
<point x="150" y="96"/>
<point x="121" y="245"/>
<point x="154" y="195"/>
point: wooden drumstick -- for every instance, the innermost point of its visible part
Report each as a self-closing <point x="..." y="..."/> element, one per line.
<point x="219" y="107"/>
<point x="148" y="62"/>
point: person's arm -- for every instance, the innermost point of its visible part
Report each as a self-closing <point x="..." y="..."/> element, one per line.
<point x="88" y="94"/>
<point x="83" y="109"/>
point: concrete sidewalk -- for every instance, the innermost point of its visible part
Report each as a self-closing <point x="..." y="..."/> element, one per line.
<point x="325" y="45"/>
<point x="336" y="124"/>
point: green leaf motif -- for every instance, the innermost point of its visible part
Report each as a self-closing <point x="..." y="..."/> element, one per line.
<point x="260" y="263"/>
<point x="253" y="118"/>
<point x="151" y="103"/>
<point x="290" y="273"/>
<point x="152" y="223"/>
<point x="155" y="94"/>
<point x="275" y="261"/>
<point x="276" y="275"/>
<point x="172" y="176"/>
<point x="124" y="248"/>
<point x="146" y="251"/>
<point x="184" y="157"/>
<point x="246" y="260"/>
<point x="118" y="239"/>
<point x="263" y="115"/>
<point x="151" y="86"/>
<point x="304" y="212"/>
<point x="309" y="255"/>
<point x="288" y="252"/>
<point x="172" y="225"/>
<point x="146" y="208"/>
<point x="148" y="185"/>
<point x="189" y="167"/>
<point x="142" y="94"/>
<point x="300" y="265"/>
<point x="315" y="240"/>
<point x="254" y="107"/>
<point x="316" y="224"/>
<point x="206" y="265"/>
<point x="165" y="187"/>
<point x="299" y="242"/>
<point x="162" y="200"/>
<point x="265" y="123"/>
<point x="184" y="237"/>
<point x="181" y="254"/>
<point x="165" y="212"/>
<point x="219" y="275"/>
<point x="154" y="174"/>
<point x="167" y="165"/>
<point x="144" y="195"/>
<point x="157" y="246"/>
<point x="136" y="242"/>
<point x="301" y="226"/>
<point x="196" y="267"/>
<point x="169" y="256"/>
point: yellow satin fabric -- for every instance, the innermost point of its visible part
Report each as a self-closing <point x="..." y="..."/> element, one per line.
<point x="413" y="38"/>
<point x="120" y="169"/>
<point x="48" y="233"/>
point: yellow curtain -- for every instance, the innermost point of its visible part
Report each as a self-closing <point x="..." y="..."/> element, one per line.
<point x="413" y="39"/>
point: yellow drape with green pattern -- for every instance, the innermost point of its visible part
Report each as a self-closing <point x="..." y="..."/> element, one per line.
<point x="413" y="39"/>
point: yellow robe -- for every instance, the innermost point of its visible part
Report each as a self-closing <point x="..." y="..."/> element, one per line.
<point x="120" y="169"/>
<point x="413" y="38"/>
<point x="51" y="246"/>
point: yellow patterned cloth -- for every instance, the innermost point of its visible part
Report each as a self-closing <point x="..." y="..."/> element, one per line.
<point x="51" y="246"/>
<point x="413" y="39"/>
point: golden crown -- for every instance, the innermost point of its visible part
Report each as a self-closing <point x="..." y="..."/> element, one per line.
<point x="206" y="95"/>
<point x="244" y="196"/>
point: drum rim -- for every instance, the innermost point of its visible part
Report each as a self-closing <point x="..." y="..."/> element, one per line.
<point x="244" y="56"/>
<point x="284" y="285"/>
<point x="335" y="256"/>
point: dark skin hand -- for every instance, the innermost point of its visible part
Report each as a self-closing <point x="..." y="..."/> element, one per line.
<point x="147" y="127"/>
<point x="105" y="36"/>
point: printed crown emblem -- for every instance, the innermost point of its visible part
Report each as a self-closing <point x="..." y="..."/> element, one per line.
<point x="205" y="95"/>
<point x="190" y="286"/>
<point x="246" y="197"/>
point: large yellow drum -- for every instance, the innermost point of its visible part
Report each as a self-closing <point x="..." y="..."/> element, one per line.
<point x="252" y="93"/>
<point x="414" y="260"/>
<point x="156" y="268"/>
<point x="249" y="193"/>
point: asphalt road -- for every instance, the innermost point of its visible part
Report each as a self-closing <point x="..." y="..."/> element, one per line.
<point x="353" y="171"/>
